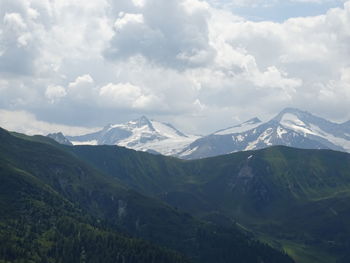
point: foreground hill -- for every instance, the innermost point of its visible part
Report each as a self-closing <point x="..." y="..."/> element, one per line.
<point x="40" y="222"/>
<point x="293" y="198"/>
<point x="57" y="208"/>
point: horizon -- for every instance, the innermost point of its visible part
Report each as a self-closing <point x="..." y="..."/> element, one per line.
<point x="78" y="131"/>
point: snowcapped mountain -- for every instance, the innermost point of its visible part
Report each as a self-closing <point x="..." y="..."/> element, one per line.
<point x="60" y="138"/>
<point x="141" y="134"/>
<point x="291" y="127"/>
<point x="250" y="124"/>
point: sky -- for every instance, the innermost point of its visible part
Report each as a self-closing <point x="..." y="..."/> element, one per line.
<point x="75" y="66"/>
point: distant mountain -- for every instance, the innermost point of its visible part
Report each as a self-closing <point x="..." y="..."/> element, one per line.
<point x="346" y="126"/>
<point x="245" y="126"/>
<point x="60" y="138"/>
<point x="291" y="127"/>
<point x="141" y="134"/>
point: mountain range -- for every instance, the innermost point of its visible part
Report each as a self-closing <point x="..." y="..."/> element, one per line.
<point x="141" y="134"/>
<point x="291" y="127"/>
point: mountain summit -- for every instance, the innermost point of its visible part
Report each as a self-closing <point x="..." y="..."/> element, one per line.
<point x="60" y="138"/>
<point x="140" y="134"/>
<point x="291" y="127"/>
<point x="250" y="124"/>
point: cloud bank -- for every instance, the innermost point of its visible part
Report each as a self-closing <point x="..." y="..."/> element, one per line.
<point x="190" y="62"/>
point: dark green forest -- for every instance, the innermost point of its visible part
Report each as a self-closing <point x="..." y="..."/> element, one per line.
<point x="58" y="207"/>
<point x="293" y="199"/>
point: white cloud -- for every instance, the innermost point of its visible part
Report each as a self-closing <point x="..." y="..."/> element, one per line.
<point x="268" y="3"/>
<point x="272" y="77"/>
<point x="337" y="91"/>
<point x="125" y="19"/>
<point x="3" y="84"/>
<point x="193" y="6"/>
<point x="82" y="88"/>
<point x="139" y="3"/>
<point x="14" y="21"/>
<point x="22" y="121"/>
<point x="176" y="59"/>
<point x="126" y="95"/>
<point x="81" y="81"/>
<point x="54" y="93"/>
<point x="171" y="33"/>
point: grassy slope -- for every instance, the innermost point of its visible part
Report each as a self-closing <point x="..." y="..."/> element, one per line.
<point x="38" y="225"/>
<point x="297" y="197"/>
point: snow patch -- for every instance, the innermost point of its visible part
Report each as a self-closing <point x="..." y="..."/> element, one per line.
<point x="92" y="142"/>
<point x="189" y="151"/>
<point x="246" y="126"/>
<point x="280" y="132"/>
<point x="165" y="130"/>
<point x="264" y="137"/>
<point x="239" y="138"/>
<point x="292" y="122"/>
<point x="333" y="139"/>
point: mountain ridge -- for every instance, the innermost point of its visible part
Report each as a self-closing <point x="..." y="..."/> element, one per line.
<point x="291" y="127"/>
<point x="258" y="189"/>
<point x="140" y="134"/>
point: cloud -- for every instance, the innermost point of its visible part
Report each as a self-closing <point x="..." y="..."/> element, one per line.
<point x="82" y="88"/>
<point x="190" y="62"/>
<point x="15" y="22"/>
<point x="81" y="81"/>
<point x="54" y="93"/>
<point x="336" y="91"/>
<point x="16" y="43"/>
<point x="176" y="36"/>
<point x="269" y="3"/>
<point x="125" y="19"/>
<point x="139" y="3"/>
<point x="126" y="95"/>
<point x="22" y="121"/>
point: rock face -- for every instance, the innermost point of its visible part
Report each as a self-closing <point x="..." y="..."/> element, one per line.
<point x="60" y="138"/>
<point x="291" y="127"/>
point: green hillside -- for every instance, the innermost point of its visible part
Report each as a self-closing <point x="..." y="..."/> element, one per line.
<point x="39" y="225"/>
<point x="298" y="200"/>
<point x="57" y="208"/>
